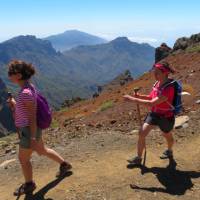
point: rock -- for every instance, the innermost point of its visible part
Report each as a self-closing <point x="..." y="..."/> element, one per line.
<point x="91" y="124"/>
<point x="98" y="125"/>
<point x="77" y="127"/>
<point x="134" y="132"/>
<point x="56" y="129"/>
<point x="13" y="152"/>
<point x="185" y="93"/>
<point x="6" y="163"/>
<point x="8" y="150"/>
<point x="16" y="142"/>
<point x="180" y="121"/>
<point x="193" y="111"/>
<point x="181" y="43"/>
<point x="185" y="125"/>
<point x="198" y="101"/>
<point x="65" y="125"/>
<point x="113" y="121"/>
<point x="161" y="52"/>
<point x="184" y="42"/>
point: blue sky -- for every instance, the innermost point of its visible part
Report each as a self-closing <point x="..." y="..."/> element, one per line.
<point x="152" y="21"/>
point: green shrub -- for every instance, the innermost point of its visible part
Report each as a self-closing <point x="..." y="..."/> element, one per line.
<point x="5" y="141"/>
<point x="106" y="105"/>
<point x="63" y="109"/>
<point x="54" y="124"/>
<point x="193" y="49"/>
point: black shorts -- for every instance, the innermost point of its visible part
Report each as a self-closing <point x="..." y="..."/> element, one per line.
<point x="165" y="124"/>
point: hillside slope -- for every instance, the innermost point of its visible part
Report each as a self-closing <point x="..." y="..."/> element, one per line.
<point x="187" y="66"/>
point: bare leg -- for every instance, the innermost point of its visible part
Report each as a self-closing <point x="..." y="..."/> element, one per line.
<point x="145" y="129"/>
<point x="24" y="158"/>
<point x="170" y="140"/>
<point x="50" y="153"/>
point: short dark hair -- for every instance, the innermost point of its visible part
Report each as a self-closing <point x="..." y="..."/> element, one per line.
<point x="27" y="70"/>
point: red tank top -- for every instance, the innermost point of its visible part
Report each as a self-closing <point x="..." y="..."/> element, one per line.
<point x="165" y="108"/>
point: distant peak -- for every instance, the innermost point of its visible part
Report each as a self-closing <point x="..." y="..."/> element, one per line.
<point x="121" y="40"/>
<point x="73" y="31"/>
<point x="24" y="37"/>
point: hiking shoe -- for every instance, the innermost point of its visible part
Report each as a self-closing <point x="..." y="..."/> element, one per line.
<point x="26" y="188"/>
<point x="64" y="168"/>
<point x="136" y="160"/>
<point x="167" y="154"/>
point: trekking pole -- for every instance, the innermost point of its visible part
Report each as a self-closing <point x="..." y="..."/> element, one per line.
<point x="138" y="107"/>
<point x="136" y="89"/>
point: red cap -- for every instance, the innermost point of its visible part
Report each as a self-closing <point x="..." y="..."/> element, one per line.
<point x="164" y="69"/>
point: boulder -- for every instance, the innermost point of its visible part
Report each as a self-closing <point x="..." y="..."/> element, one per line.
<point x="198" y="101"/>
<point x="7" y="162"/>
<point x="181" y="121"/>
<point x="162" y="52"/>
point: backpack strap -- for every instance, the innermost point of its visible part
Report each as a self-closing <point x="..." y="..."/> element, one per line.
<point x="154" y="85"/>
<point x="165" y="85"/>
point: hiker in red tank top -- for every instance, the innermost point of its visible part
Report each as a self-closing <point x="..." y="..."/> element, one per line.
<point x="164" y="108"/>
<point x="161" y="113"/>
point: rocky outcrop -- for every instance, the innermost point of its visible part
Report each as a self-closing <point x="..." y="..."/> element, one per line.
<point x="162" y="52"/>
<point x="185" y="42"/>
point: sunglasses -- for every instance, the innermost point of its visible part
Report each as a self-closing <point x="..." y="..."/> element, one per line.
<point x="10" y="73"/>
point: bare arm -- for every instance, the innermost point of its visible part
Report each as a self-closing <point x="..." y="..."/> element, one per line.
<point x="151" y="102"/>
<point x="142" y="96"/>
<point x="12" y="104"/>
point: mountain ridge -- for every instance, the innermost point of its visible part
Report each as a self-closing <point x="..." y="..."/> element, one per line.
<point x="77" y="74"/>
<point x="73" y="38"/>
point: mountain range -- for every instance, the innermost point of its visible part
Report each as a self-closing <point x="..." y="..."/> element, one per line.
<point x="106" y="61"/>
<point x="73" y="38"/>
<point x="74" y="73"/>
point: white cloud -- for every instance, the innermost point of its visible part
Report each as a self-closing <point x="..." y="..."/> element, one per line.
<point x="142" y="39"/>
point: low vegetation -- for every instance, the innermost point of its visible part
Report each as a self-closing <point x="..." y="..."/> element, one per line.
<point x="193" y="49"/>
<point x="106" y="105"/>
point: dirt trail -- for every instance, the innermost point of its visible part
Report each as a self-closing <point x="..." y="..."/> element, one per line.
<point x="100" y="172"/>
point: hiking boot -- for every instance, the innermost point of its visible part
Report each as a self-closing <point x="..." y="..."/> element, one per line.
<point x="26" y="188"/>
<point x="136" y="160"/>
<point x="64" y="168"/>
<point x="167" y="154"/>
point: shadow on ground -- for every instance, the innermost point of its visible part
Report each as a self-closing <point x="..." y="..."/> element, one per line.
<point x="42" y="192"/>
<point x="175" y="182"/>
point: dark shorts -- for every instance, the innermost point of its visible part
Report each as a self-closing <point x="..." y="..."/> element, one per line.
<point x="165" y="124"/>
<point x="25" y="137"/>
